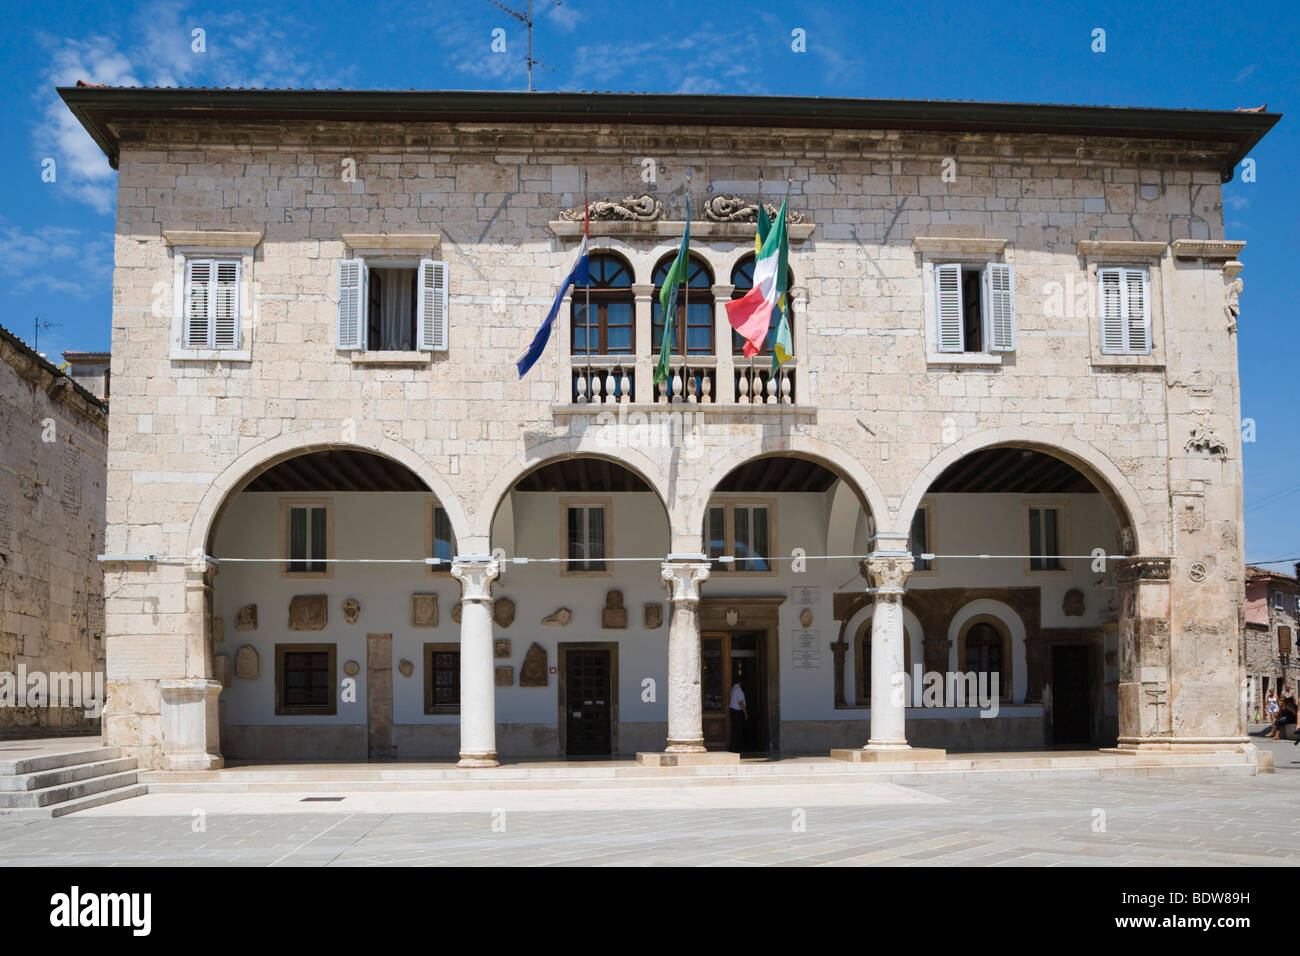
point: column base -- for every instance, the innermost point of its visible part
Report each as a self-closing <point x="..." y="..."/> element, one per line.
<point x="182" y="762"/>
<point x="1182" y="745"/>
<point x="686" y="746"/>
<point x="478" y="760"/>
<point x="700" y="758"/>
<point x="889" y="754"/>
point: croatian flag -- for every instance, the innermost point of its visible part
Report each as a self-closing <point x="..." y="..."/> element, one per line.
<point x="578" y="275"/>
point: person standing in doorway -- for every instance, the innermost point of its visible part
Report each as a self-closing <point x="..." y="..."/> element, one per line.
<point x="739" y="714"/>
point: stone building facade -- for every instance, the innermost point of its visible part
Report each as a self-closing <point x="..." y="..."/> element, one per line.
<point x="1007" y="444"/>
<point x="1272" y="628"/>
<point x="53" y="463"/>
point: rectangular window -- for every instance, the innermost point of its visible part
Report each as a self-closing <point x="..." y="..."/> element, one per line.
<point x="585" y="534"/>
<point x="444" y="541"/>
<point x="392" y="305"/>
<point x="975" y="309"/>
<point x="918" y="541"/>
<point x="743" y="532"/>
<point x="1045" y="539"/>
<point x="1284" y="640"/>
<point x="211" y="303"/>
<point x="308" y="539"/>
<point x="304" y="679"/>
<point x="442" y="678"/>
<point x="1125" y="310"/>
<point x="1278" y="600"/>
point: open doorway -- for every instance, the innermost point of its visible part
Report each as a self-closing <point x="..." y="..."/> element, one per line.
<point x="727" y="657"/>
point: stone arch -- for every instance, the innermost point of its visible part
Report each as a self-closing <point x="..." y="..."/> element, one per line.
<point x="239" y="473"/>
<point x="690" y="518"/>
<point x="859" y="626"/>
<point x="587" y="445"/>
<point x="1005" y="620"/>
<point x="1119" y="493"/>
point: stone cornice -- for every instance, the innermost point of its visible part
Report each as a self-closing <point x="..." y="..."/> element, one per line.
<point x="959" y="245"/>
<point x="413" y="244"/>
<point x="673" y="229"/>
<point x="1092" y="248"/>
<point x="212" y="240"/>
<point x="1207" y="248"/>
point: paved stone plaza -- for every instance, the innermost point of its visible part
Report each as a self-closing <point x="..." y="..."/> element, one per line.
<point x="1160" y="820"/>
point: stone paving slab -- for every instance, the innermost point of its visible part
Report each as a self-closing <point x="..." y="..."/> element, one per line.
<point x="1170" y="821"/>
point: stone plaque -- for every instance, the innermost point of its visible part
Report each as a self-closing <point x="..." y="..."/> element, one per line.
<point x="1072" y="603"/>
<point x="560" y="618"/>
<point x="247" y="663"/>
<point x="501" y="648"/>
<point x="533" y="673"/>
<point x="424" y="610"/>
<point x="806" y="596"/>
<point x="218" y="630"/>
<point x="352" y="668"/>
<point x="308" y="612"/>
<point x="654" y="615"/>
<point x="806" y="651"/>
<point x="351" y="610"/>
<point x="221" y="669"/>
<point x="405" y="668"/>
<point x="247" y="619"/>
<point x="614" y="614"/>
<point x="505" y="676"/>
<point x="503" y="612"/>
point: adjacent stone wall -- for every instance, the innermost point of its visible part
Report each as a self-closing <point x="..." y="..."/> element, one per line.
<point x="52" y="488"/>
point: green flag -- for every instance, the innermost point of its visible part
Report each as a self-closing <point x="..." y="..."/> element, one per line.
<point x="783" y="347"/>
<point x="678" y="273"/>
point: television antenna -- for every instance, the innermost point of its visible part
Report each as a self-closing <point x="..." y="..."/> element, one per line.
<point x="527" y="20"/>
<point x="36" y="337"/>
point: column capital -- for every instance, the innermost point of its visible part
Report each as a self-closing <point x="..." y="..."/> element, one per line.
<point x="475" y="575"/>
<point x="683" y="579"/>
<point x="888" y="570"/>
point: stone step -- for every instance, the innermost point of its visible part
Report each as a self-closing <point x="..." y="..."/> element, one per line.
<point x="64" y="792"/>
<point x="52" y="761"/>
<point x="41" y="779"/>
<point x="222" y="782"/>
<point x="72" y="806"/>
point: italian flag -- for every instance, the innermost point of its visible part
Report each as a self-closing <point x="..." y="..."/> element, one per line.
<point x="751" y="315"/>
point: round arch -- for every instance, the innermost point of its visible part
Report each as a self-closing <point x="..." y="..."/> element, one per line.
<point x="594" y="443"/>
<point x="829" y="456"/>
<point x="239" y="473"/>
<point x="859" y="627"/>
<point x="1118" y="492"/>
<point x="1009" y="626"/>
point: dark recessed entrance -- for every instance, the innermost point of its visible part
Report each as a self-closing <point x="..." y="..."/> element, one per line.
<point x="588" y="704"/>
<point x="726" y="658"/>
<point x="1071" y="695"/>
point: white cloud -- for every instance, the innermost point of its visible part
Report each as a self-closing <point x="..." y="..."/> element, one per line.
<point x="42" y="258"/>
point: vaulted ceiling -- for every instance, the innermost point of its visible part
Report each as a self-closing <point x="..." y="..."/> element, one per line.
<point x="596" y="475"/>
<point x="1012" y="470"/>
<point x="777" y="473"/>
<point x="337" y="470"/>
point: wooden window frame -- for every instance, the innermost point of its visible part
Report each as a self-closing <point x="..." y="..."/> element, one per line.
<point x="286" y="507"/>
<point x="1007" y="679"/>
<point x="700" y="295"/>
<point x="605" y="502"/>
<point x="729" y="504"/>
<point x="429" y="651"/>
<point x="601" y="298"/>
<point x="1063" y="534"/>
<point x="327" y="710"/>
<point x="1148" y="288"/>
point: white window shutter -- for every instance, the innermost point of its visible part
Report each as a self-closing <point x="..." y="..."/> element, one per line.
<point x="352" y="304"/>
<point x="1002" y="306"/>
<point x="431" y="312"/>
<point x="947" y="293"/>
<point x="198" y="303"/>
<point x="225" y="309"/>
<point x="1110" y="295"/>
<point x="1138" y="310"/>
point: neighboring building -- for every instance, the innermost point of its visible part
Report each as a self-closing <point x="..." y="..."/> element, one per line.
<point x="90" y="370"/>
<point x="1014" y="337"/>
<point x="1272" y="626"/>
<point x="53" y="453"/>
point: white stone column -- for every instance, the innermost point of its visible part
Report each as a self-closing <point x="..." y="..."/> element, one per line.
<point x="478" y="711"/>
<point x="888" y="686"/>
<point x="683" y="575"/>
<point x="190" y="728"/>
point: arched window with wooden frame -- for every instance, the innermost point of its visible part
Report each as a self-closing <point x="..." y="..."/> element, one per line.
<point x="603" y="313"/>
<point x="693" y="326"/>
<point x="984" y="647"/>
<point x="742" y="279"/>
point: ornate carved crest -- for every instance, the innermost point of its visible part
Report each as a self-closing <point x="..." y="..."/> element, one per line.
<point x="643" y="208"/>
<point x="722" y="208"/>
<point x="1205" y="441"/>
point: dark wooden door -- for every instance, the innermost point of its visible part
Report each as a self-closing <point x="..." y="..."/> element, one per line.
<point x="1071" y="695"/>
<point x="587" y="701"/>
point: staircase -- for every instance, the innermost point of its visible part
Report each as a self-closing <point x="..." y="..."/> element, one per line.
<point x="56" y="784"/>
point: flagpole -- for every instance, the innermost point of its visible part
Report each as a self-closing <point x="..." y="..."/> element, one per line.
<point x="780" y="366"/>
<point x="686" y="308"/>
<point x="586" y="331"/>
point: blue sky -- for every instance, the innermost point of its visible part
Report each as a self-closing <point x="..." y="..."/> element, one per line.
<point x="56" y="238"/>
